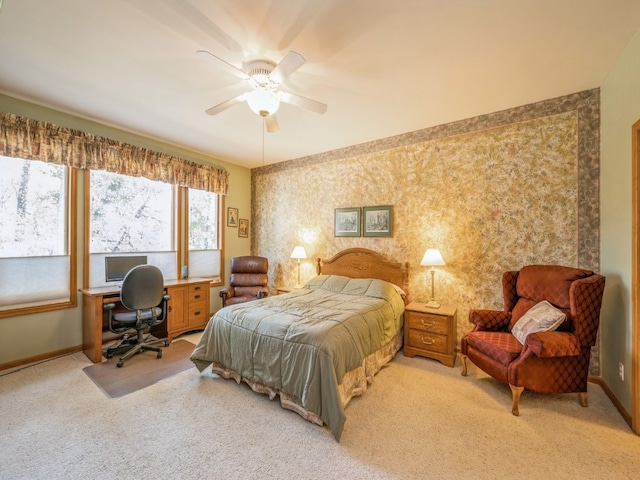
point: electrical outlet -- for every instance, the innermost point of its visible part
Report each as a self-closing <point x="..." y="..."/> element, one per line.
<point x="621" y="371"/>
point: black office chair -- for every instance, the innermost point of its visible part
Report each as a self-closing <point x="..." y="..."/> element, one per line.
<point x="142" y="293"/>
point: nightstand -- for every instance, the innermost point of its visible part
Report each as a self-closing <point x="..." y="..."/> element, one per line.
<point x="430" y="332"/>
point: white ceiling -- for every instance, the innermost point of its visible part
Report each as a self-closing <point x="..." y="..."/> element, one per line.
<point x="384" y="67"/>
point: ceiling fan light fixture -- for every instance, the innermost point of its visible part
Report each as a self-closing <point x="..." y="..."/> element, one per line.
<point x="263" y="102"/>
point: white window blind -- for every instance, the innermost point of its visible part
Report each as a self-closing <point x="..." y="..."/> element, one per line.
<point x="33" y="281"/>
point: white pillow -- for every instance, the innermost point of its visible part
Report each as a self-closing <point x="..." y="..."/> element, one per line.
<point x="542" y="317"/>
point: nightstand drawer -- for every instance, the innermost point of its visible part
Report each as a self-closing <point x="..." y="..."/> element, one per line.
<point x="428" y="323"/>
<point x="428" y="341"/>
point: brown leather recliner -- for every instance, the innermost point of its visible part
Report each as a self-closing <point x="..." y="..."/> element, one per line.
<point x="249" y="280"/>
<point x="548" y="362"/>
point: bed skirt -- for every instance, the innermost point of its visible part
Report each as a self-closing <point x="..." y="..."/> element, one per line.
<point x="354" y="383"/>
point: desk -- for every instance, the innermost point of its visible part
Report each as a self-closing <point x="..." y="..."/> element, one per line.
<point x="187" y="309"/>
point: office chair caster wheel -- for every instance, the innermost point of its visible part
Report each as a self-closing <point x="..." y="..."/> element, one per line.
<point x="159" y="355"/>
<point x="166" y="343"/>
<point x="120" y="363"/>
<point x="109" y="355"/>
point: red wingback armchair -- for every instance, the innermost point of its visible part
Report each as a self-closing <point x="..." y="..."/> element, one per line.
<point x="548" y="362"/>
<point x="249" y="280"/>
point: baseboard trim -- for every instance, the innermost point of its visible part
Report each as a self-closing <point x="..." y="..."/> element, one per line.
<point x="39" y="358"/>
<point x="616" y="403"/>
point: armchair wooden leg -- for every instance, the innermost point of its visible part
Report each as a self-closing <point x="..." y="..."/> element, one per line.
<point x="463" y="363"/>
<point x="583" y="399"/>
<point x="515" y="394"/>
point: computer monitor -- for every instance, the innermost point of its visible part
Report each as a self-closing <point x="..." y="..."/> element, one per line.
<point x="115" y="268"/>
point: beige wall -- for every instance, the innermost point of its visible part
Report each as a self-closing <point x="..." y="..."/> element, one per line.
<point x="493" y="193"/>
<point x="27" y="336"/>
<point x="620" y="110"/>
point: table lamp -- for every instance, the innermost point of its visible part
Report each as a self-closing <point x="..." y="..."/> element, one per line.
<point x="432" y="258"/>
<point x="298" y="253"/>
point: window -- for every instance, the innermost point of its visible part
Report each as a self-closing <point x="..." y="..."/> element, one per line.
<point x="204" y="233"/>
<point x="35" y="235"/>
<point x="130" y="215"/>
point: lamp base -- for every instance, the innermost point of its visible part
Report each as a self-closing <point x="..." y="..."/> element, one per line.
<point x="432" y="304"/>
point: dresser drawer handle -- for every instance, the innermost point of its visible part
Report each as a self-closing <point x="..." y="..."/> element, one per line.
<point x="196" y="288"/>
<point x="196" y="296"/>
<point x="427" y="324"/>
<point x="430" y="341"/>
<point x="196" y="313"/>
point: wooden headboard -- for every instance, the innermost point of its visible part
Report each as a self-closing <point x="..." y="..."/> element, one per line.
<point x="364" y="263"/>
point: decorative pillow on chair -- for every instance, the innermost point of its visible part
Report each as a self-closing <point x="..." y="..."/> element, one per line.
<point x="542" y="317"/>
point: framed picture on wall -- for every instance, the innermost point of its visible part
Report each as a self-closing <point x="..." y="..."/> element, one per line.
<point x="243" y="227"/>
<point x="377" y="221"/>
<point x="232" y="217"/>
<point x="347" y="222"/>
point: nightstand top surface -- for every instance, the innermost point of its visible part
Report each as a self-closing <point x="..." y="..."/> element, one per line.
<point x="421" y="307"/>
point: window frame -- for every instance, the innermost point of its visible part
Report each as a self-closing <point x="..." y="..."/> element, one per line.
<point x="216" y="281"/>
<point x="72" y="243"/>
<point x="180" y="230"/>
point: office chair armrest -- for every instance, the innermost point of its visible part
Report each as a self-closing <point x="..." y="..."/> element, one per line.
<point x="109" y="307"/>
<point x="165" y="299"/>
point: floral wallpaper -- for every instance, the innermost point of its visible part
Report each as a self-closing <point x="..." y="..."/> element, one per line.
<point x="492" y="193"/>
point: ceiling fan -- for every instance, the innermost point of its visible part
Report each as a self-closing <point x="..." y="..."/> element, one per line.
<point x="264" y="78"/>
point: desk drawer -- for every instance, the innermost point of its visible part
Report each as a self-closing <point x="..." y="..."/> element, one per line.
<point x="197" y="293"/>
<point x="198" y="312"/>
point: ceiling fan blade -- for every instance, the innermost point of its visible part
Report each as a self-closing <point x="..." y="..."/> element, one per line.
<point x="303" y="102"/>
<point x="210" y="57"/>
<point x="224" y="105"/>
<point x="289" y="64"/>
<point x="271" y="122"/>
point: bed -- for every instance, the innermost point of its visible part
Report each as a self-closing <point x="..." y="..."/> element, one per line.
<point x="316" y="347"/>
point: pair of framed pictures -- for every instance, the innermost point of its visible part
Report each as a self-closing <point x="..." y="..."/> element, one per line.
<point x="364" y="222"/>
<point x="241" y="223"/>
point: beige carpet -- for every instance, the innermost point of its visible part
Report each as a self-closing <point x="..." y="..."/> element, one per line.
<point x="419" y="420"/>
<point x="141" y="370"/>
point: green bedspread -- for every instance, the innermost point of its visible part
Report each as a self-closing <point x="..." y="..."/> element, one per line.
<point x="302" y="343"/>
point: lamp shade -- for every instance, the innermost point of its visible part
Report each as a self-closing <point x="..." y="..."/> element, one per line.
<point x="432" y="258"/>
<point x="298" y="252"/>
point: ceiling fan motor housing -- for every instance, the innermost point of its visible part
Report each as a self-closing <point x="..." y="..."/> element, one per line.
<point x="259" y="71"/>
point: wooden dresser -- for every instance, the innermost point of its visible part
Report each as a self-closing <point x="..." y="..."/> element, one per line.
<point x="430" y="332"/>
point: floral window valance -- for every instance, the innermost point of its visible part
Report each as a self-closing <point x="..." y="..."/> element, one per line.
<point x="37" y="140"/>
